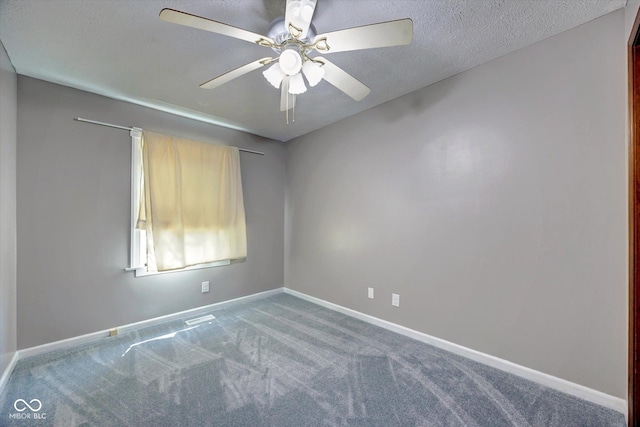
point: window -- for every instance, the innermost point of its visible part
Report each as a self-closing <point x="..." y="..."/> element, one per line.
<point x="187" y="208"/>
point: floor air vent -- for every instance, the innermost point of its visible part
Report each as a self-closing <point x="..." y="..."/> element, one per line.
<point x="199" y="319"/>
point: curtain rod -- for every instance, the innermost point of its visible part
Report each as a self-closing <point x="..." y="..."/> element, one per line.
<point x="94" y="122"/>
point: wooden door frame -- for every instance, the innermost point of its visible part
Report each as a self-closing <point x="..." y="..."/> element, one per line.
<point x="634" y="224"/>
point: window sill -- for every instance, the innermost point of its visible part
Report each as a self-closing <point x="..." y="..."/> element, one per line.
<point x="141" y="272"/>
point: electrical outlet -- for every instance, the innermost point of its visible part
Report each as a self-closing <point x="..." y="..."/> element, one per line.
<point x="205" y="287"/>
<point x="370" y="293"/>
<point x="395" y="300"/>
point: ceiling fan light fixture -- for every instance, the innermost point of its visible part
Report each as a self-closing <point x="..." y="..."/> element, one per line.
<point x="296" y="84"/>
<point x="274" y="75"/>
<point x="290" y="62"/>
<point x="313" y="72"/>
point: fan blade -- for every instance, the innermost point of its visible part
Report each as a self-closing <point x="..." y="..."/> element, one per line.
<point x="240" y="71"/>
<point x="343" y="80"/>
<point x="286" y="104"/>
<point x="193" y="21"/>
<point x="384" y="34"/>
<point x="299" y="13"/>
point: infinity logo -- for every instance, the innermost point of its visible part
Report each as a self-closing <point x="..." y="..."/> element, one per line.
<point x="26" y="405"/>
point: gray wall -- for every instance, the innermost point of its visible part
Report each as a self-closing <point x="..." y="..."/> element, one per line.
<point x="8" y="108"/>
<point x="630" y="13"/>
<point x="73" y="217"/>
<point x="493" y="202"/>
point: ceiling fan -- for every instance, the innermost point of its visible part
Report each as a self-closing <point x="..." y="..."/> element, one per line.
<point x="293" y="38"/>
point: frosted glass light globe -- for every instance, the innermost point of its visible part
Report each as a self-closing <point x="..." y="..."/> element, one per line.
<point x="274" y="75"/>
<point x="296" y="84"/>
<point x="313" y="72"/>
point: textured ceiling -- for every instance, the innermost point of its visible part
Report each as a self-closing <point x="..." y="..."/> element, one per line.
<point x="121" y="49"/>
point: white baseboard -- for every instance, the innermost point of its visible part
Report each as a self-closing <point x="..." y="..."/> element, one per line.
<point x="586" y="393"/>
<point x="7" y="372"/>
<point x="62" y="344"/>
<point x="83" y="339"/>
<point x="197" y="310"/>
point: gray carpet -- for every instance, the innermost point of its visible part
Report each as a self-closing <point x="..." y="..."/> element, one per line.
<point x="279" y="362"/>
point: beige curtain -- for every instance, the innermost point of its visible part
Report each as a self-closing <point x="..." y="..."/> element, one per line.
<point x="191" y="205"/>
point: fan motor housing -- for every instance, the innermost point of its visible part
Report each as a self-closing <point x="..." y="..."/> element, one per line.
<point x="279" y="33"/>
